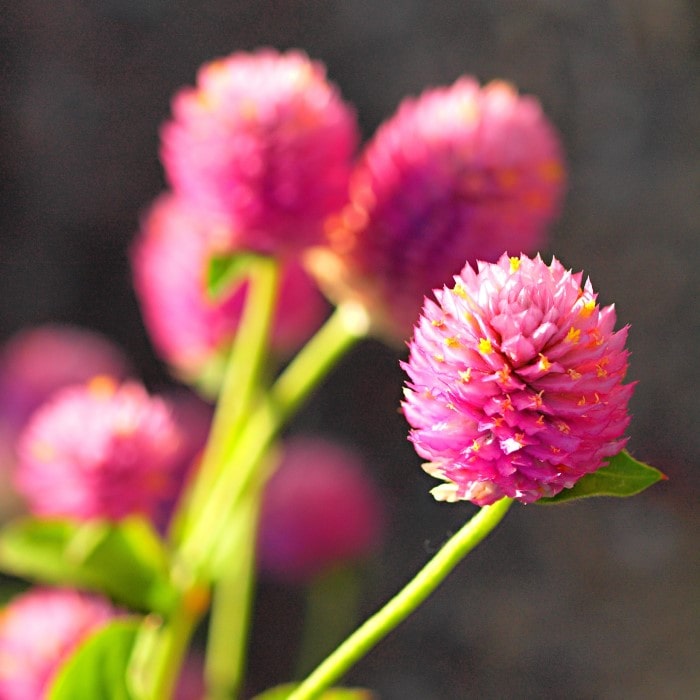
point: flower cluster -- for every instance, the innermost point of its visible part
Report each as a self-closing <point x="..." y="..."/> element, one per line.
<point x="516" y="373"/>
<point x="516" y="382"/>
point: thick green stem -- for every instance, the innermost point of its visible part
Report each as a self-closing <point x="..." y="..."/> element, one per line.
<point x="230" y="614"/>
<point x="241" y="378"/>
<point x="404" y="603"/>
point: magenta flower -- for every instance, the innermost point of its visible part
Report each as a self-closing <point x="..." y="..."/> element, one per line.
<point x="516" y="382"/>
<point x="461" y="173"/>
<point x="188" y="328"/>
<point x="265" y="140"/>
<point x="98" y="451"/>
<point x="319" y="509"/>
<point x="39" y="630"/>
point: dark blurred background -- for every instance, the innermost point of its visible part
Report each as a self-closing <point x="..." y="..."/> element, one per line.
<point x="594" y="600"/>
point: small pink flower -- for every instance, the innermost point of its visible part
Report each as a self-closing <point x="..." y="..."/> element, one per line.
<point x="39" y="630"/>
<point x="189" y="328"/>
<point x="461" y="173"/>
<point x="98" y="451"/>
<point x="516" y="382"/>
<point x="319" y="509"/>
<point x="265" y="140"/>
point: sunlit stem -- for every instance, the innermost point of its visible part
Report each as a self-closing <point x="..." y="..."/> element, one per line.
<point x="230" y="615"/>
<point x="241" y="379"/>
<point x="404" y="603"/>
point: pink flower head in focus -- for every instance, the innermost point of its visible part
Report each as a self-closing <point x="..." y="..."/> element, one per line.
<point x="516" y="382"/>
<point x="98" y="451"/>
<point x="319" y="509"/>
<point x="188" y="327"/>
<point x="460" y="173"/>
<point x="265" y="140"/>
<point x="39" y="630"/>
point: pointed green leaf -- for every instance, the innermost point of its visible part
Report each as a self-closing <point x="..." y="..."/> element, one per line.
<point x="98" y="668"/>
<point x="125" y="560"/>
<point x="623" y="476"/>
<point x="282" y="692"/>
<point x="226" y="270"/>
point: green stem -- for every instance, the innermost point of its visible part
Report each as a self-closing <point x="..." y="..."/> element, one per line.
<point x="345" y="326"/>
<point x="241" y="379"/>
<point x="404" y="603"/>
<point x="230" y="614"/>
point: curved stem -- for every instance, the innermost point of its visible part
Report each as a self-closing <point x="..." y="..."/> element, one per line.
<point x="404" y="603"/>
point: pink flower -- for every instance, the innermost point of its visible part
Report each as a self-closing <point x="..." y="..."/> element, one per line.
<point x="461" y="173"/>
<point x="188" y="328"/>
<point x="516" y="382"/>
<point x="319" y="509"/>
<point x="39" y="630"/>
<point x="265" y="140"/>
<point x="98" y="451"/>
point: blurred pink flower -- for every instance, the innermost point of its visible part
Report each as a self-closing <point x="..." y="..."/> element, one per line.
<point x="516" y="382"/>
<point x="39" y="630"/>
<point x="188" y="328"/>
<point x="460" y="173"/>
<point x="98" y="451"/>
<point x="319" y="509"/>
<point x="265" y="140"/>
<point x="38" y="361"/>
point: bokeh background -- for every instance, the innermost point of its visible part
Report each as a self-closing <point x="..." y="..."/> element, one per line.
<point x="593" y="600"/>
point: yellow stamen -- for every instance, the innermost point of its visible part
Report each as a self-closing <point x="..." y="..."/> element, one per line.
<point x="514" y="264"/>
<point x="587" y="308"/>
<point x="573" y="336"/>
<point x="452" y="342"/>
<point x="544" y="363"/>
<point x="459" y="291"/>
<point x="466" y="375"/>
<point x="485" y="346"/>
<point x="573" y="373"/>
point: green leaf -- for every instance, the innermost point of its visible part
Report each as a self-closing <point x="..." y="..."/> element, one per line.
<point x="98" y="668"/>
<point x="623" y="476"/>
<point x="125" y="560"/>
<point x="226" y="270"/>
<point x="282" y="692"/>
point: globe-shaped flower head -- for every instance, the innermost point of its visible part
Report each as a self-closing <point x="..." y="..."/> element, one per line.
<point x="460" y="173"/>
<point x="265" y="139"/>
<point x="98" y="451"/>
<point x="516" y="382"/>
